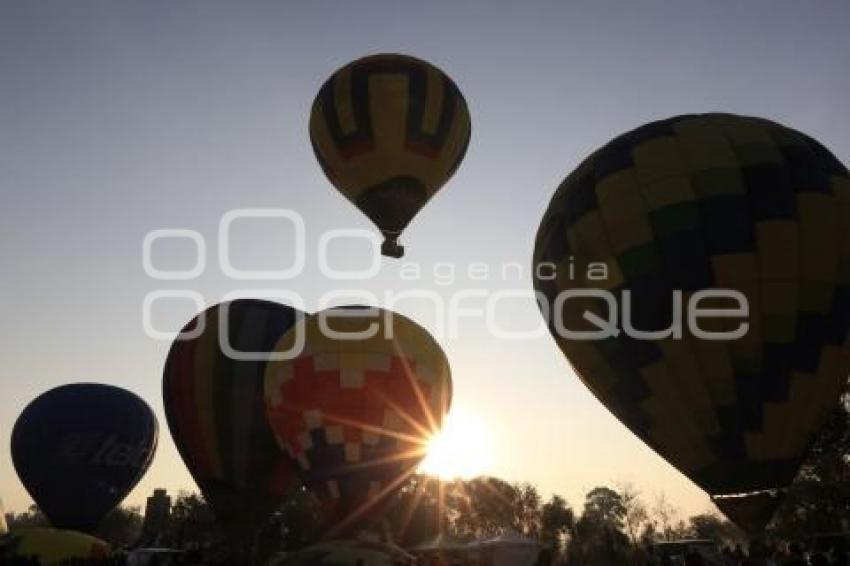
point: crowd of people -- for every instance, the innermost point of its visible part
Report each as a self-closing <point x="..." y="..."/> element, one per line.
<point x="760" y="554"/>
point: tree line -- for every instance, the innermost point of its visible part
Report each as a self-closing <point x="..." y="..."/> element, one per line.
<point x="613" y="525"/>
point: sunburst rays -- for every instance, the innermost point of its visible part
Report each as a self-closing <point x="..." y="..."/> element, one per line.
<point x="416" y="427"/>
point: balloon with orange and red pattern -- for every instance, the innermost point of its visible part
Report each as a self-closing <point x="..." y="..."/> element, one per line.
<point x="357" y="405"/>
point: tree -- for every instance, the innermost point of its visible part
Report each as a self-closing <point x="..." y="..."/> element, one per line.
<point x="486" y="506"/>
<point x="598" y="538"/>
<point x="526" y="516"/>
<point x="32" y="517"/>
<point x="605" y="506"/>
<point x="828" y="460"/>
<point x="417" y="511"/>
<point x="713" y="527"/>
<point x="556" y="523"/>
<point x="297" y="523"/>
<point x="812" y="507"/>
<point x="636" y="515"/>
<point x="819" y="499"/>
<point x="121" y="527"/>
<point x="192" y="523"/>
<point x="664" y="515"/>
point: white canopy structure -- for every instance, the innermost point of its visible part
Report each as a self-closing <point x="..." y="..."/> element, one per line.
<point x="441" y="542"/>
<point x="508" y="549"/>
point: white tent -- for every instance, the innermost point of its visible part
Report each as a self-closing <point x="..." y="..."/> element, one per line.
<point x="508" y="549"/>
<point x="440" y="543"/>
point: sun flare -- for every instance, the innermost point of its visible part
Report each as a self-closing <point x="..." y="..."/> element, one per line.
<point x="459" y="451"/>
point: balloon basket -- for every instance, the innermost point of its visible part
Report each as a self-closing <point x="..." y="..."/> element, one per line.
<point x="391" y="248"/>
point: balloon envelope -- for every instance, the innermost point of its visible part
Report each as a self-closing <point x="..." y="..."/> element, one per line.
<point x="699" y="202"/>
<point x="357" y="412"/>
<point x="389" y="130"/>
<point x="52" y="546"/>
<point x="79" y="449"/>
<point x="215" y="410"/>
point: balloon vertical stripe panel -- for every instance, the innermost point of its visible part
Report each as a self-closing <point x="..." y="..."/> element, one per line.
<point x="180" y="391"/>
<point x="209" y="385"/>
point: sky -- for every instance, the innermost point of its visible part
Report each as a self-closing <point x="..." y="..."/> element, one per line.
<point x="118" y="118"/>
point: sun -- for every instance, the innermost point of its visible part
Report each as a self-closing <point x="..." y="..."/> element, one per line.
<point x="460" y="450"/>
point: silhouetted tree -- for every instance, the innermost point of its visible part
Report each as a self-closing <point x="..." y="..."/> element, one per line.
<point x="605" y="506"/>
<point x="486" y="506"/>
<point x="483" y="507"/>
<point x="192" y="522"/>
<point x="298" y="522"/>
<point x="598" y="539"/>
<point x="819" y="500"/>
<point x="663" y="515"/>
<point x="32" y="517"/>
<point x="716" y="528"/>
<point x="636" y="515"/>
<point x="557" y="522"/>
<point x="527" y="511"/>
<point x="121" y="527"/>
<point x="417" y="512"/>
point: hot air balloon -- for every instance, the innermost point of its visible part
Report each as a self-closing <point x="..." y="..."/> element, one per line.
<point x="213" y="395"/>
<point x="52" y="546"/>
<point x="389" y="130"/>
<point x="694" y="203"/>
<point x="79" y="449"/>
<point x="350" y="553"/>
<point x="357" y="406"/>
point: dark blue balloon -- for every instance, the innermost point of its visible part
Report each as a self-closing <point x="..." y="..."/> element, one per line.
<point x="79" y="449"/>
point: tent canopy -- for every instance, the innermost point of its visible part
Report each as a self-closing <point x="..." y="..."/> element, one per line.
<point x="441" y="542"/>
<point x="508" y="538"/>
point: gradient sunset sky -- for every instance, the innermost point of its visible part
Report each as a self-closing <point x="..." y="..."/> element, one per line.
<point x="118" y="118"/>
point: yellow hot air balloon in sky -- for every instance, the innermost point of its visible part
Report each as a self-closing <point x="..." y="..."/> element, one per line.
<point x="694" y="203"/>
<point x="389" y="130"/>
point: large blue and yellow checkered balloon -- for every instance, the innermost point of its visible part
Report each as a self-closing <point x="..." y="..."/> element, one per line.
<point x="707" y="202"/>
